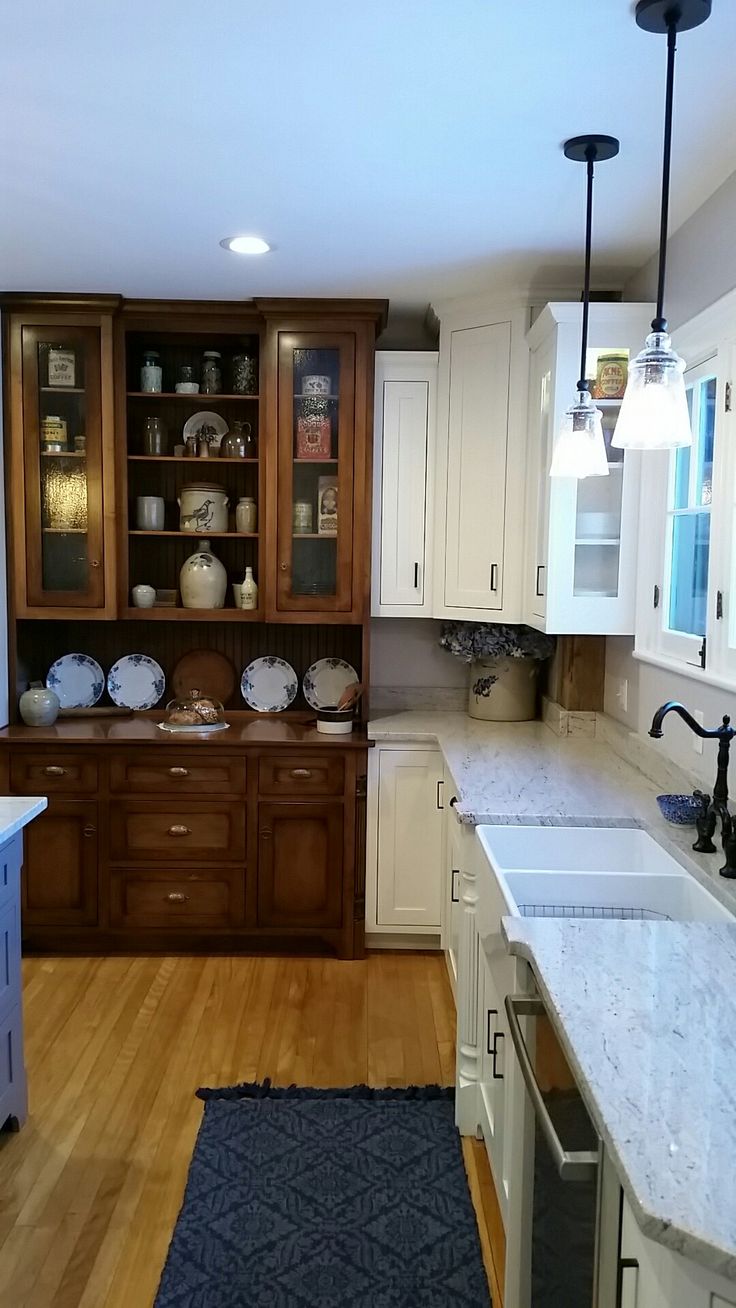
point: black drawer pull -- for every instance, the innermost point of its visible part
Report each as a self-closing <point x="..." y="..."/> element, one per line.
<point x="455" y="898"/>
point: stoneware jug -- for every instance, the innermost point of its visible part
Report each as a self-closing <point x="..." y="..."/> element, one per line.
<point x="38" y="706"/>
<point x="203" y="580"/>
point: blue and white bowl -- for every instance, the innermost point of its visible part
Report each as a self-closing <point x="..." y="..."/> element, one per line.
<point x="681" y="810"/>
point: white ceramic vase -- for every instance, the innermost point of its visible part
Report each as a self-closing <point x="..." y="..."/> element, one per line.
<point x="38" y="706"/>
<point x="203" y="580"/>
<point x="503" y="690"/>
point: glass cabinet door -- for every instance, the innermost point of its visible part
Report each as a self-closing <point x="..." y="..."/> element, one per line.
<point x="62" y="463"/>
<point x="315" y="495"/>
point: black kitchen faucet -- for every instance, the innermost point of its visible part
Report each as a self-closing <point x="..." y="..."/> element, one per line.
<point x="717" y="806"/>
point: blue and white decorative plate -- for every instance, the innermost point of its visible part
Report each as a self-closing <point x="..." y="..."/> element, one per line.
<point x="269" y="685"/>
<point x="325" y="682"/>
<point x="136" y="682"/>
<point x="77" y="679"/>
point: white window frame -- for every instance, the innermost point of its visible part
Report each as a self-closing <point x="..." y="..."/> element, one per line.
<point x="708" y="343"/>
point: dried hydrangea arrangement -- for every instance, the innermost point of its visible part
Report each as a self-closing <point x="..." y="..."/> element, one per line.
<point x="471" y="641"/>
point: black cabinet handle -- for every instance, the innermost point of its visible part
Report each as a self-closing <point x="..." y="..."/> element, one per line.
<point x="719" y="604"/>
<point x="455" y="898"/>
<point x="624" y="1265"/>
<point x="492" y="1012"/>
<point x="494" y="576"/>
<point x="540" y="570"/>
<point x="497" y="1076"/>
<point x="416" y="576"/>
<point x="453" y="801"/>
<point x="440" y="805"/>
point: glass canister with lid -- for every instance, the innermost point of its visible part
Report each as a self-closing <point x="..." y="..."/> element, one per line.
<point x="151" y="372"/>
<point x="211" y="379"/>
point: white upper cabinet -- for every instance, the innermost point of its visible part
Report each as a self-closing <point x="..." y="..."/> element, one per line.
<point x="480" y="463"/>
<point x="403" y="483"/>
<point x="581" y="536"/>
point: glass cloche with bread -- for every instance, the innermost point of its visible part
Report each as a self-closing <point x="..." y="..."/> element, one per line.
<point x="194" y="712"/>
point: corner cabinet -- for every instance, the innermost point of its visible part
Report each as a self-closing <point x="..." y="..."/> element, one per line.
<point x="580" y="567"/>
<point x="403" y="480"/>
<point x="60" y="462"/>
<point x="480" y="463"/>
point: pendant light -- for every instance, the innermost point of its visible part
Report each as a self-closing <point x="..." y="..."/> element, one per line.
<point x="654" y="413"/>
<point x="580" y="450"/>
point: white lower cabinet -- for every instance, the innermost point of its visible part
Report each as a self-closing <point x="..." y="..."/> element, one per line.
<point x="452" y="908"/>
<point x="405" y="847"/>
<point x="652" y="1276"/>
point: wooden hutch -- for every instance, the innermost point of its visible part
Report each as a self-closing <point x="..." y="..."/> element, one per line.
<point x="252" y="838"/>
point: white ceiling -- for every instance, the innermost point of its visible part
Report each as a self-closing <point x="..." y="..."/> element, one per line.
<point x="407" y="148"/>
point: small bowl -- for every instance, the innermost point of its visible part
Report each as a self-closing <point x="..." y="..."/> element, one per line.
<point x="681" y="810"/>
<point x="332" y="721"/>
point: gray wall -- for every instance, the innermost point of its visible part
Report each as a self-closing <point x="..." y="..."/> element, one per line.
<point x="404" y="652"/>
<point x="701" y="267"/>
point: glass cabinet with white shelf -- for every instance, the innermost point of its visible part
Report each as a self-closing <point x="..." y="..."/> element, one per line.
<point x="581" y="535"/>
<point x="60" y="464"/>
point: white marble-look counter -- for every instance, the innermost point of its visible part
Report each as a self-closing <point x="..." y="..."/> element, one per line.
<point x="645" y="1012"/>
<point x="523" y="773"/>
<point x="16" y="812"/>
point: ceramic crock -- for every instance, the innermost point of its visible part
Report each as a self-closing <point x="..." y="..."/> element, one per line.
<point x="38" y="706"/>
<point x="202" y="507"/>
<point x="203" y="580"/>
<point x="503" y="690"/>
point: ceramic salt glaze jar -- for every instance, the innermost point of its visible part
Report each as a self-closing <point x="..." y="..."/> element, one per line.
<point x="38" y="706"/>
<point x="203" y="580"/>
<point x="503" y="689"/>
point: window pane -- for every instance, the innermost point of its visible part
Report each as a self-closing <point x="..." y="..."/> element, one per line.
<point x="689" y="585"/>
<point x="682" y="475"/>
<point x="706" y="429"/>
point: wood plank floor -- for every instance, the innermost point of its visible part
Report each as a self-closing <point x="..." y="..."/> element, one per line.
<point x="90" y="1189"/>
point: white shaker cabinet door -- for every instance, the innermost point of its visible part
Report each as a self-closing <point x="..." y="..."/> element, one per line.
<point x="404" y="493"/>
<point x="410" y="845"/>
<point x="480" y="359"/>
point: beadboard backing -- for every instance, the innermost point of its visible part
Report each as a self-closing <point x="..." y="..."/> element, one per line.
<point x="300" y="644"/>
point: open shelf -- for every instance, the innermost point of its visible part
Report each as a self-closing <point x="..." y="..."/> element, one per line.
<point x="173" y="458"/>
<point x="198" y="396"/>
<point x="198" y="535"/>
<point x="164" y="613"/>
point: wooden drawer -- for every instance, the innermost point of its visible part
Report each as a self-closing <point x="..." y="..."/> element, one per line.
<point x="167" y="898"/>
<point x="301" y="774"/>
<point x="186" y="773"/>
<point x="173" y="833"/>
<point x="52" y="771"/>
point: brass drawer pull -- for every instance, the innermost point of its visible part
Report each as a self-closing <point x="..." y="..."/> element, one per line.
<point x="176" y="897"/>
<point x="178" y="830"/>
<point x="89" y="831"/>
<point x="54" y="771"/>
<point x="178" y="772"/>
<point x="301" y="774"/>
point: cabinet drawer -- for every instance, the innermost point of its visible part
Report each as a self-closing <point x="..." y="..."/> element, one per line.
<point x="177" y="773"/>
<point x="167" y="898"/>
<point x="301" y="774"/>
<point x="201" y="833"/>
<point x="50" y="772"/>
<point x="11" y="858"/>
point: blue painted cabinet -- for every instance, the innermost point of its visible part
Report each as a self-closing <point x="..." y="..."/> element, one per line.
<point x="13" y="1089"/>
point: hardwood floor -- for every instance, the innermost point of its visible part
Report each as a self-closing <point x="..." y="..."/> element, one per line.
<point x="90" y="1189"/>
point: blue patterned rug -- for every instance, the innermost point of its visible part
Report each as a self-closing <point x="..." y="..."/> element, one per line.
<point x="300" y="1198"/>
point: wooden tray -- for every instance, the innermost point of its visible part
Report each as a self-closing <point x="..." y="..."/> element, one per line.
<point x="207" y="671"/>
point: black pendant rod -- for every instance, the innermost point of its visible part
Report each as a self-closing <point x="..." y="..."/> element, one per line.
<point x="590" y="156"/>
<point x="659" y="323"/>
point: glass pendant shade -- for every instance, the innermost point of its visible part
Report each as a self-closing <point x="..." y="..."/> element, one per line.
<point x="580" y="449"/>
<point x="654" y="413"/>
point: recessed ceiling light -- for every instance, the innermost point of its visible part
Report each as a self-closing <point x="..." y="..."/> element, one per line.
<point x="246" y="244"/>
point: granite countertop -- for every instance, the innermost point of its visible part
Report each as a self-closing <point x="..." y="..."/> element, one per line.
<point x="523" y="773"/>
<point x="645" y="1012"/>
<point x="17" y="812"/>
